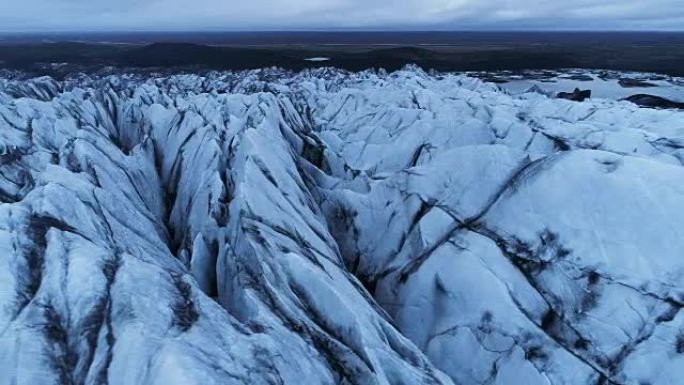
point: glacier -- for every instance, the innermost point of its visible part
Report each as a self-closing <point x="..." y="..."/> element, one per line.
<point x="332" y="227"/>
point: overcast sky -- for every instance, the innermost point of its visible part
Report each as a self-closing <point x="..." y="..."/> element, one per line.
<point x="70" y="15"/>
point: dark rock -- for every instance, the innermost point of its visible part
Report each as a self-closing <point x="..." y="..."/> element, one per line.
<point x="632" y="83"/>
<point x="577" y="95"/>
<point x="652" y="101"/>
<point x="495" y="80"/>
<point x="579" y="77"/>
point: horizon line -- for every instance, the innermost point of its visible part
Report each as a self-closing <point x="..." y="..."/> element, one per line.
<point x="341" y="30"/>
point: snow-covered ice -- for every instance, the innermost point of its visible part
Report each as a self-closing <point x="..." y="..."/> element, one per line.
<point x="328" y="227"/>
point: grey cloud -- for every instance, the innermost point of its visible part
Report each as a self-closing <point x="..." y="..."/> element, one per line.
<point x="361" y="14"/>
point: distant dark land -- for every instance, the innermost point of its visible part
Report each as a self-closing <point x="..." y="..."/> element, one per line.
<point x="58" y="54"/>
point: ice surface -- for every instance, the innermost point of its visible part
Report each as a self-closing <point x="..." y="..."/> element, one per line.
<point x="603" y="84"/>
<point x="327" y="227"/>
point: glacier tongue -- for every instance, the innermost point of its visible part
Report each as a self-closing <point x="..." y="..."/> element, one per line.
<point x="325" y="227"/>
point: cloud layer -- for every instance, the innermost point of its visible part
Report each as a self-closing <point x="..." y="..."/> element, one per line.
<point x="45" y="15"/>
